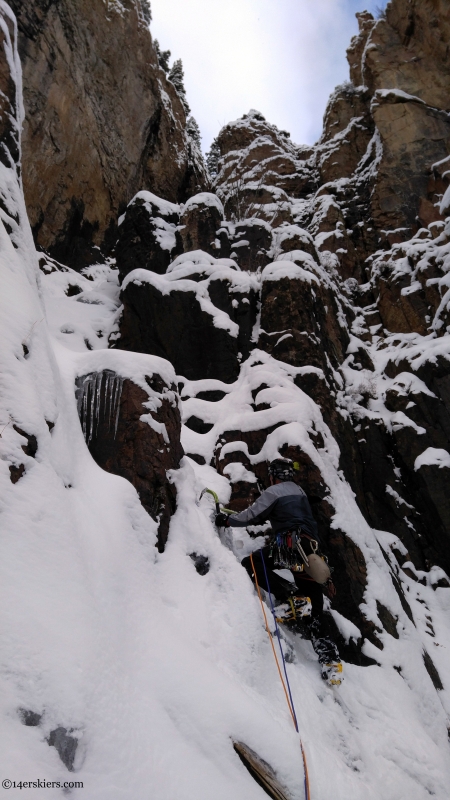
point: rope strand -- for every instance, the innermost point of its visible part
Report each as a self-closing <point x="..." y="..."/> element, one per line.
<point x="279" y="640"/>
<point x="288" y="696"/>
<point x="271" y="642"/>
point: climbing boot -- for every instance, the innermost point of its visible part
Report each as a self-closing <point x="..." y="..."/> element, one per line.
<point x="332" y="673"/>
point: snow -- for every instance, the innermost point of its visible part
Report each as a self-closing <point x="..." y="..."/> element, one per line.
<point x="87" y="319"/>
<point x="237" y="472"/>
<point x="398" y="499"/>
<point x="397" y="93"/>
<point x="433" y="456"/>
<point x="445" y="202"/>
<point x="204" y="199"/>
<point x="288" y="269"/>
<point x="151" y="201"/>
<point x="154" y="668"/>
<point x="187" y="263"/>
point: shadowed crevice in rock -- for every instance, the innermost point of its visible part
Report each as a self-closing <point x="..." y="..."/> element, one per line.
<point x="30" y="449"/>
<point x="432" y="671"/>
<point x="387" y="620"/>
<point x="196" y="424"/>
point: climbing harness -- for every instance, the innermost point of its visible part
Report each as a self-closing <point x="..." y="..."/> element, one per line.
<point x="287" y="547"/>
<point x="287" y="691"/>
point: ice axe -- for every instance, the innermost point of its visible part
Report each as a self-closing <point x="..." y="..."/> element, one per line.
<point x="213" y="494"/>
<point x="225" y="535"/>
<point x="216" y="500"/>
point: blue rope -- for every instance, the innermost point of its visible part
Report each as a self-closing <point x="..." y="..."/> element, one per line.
<point x="279" y="640"/>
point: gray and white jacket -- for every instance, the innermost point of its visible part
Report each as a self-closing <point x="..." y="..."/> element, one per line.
<point x="285" y="505"/>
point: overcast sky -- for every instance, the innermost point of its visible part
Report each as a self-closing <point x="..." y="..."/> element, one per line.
<point x="282" y="57"/>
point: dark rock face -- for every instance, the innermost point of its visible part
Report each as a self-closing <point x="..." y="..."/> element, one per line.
<point x="414" y="136"/>
<point x="16" y="473"/>
<point x="250" y="244"/>
<point x="296" y="327"/>
<point x="348" y="129"/>
<point x="288" y="238"/>
<point x="122" y="442"/>
<point x="409" y="50"/>
<point x="30" y="718"/>
<point x="175" y="327"/>
<point x="9" y="122"/>
<point x="376" y="169"/>
<point x="432" y="671"/>
<point x="97" y="128"/>
<point x="65" y="744"/>
<point x="199" y="221"/>
<point x="30" y="448"/>
<point x="154" y="232"/>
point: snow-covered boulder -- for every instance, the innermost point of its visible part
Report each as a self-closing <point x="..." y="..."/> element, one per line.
<point x="200" y="315"/>
<point x="148" y="234"/>
<point x="200" y="218"/>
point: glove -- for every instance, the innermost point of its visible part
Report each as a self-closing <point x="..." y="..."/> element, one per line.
<point x="330" y="589"/>
<point x="222" y="520"/>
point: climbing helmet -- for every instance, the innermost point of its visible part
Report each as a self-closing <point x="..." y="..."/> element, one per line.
<point x="282" y="469"/>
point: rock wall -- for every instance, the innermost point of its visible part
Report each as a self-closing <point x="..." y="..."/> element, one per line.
<point x="102" y="121"/>
<point x="385" y="134"/>
<point x="346" y="246"/>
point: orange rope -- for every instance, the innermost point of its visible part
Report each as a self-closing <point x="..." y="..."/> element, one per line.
<point x="305" y="766"/>
<point x="271" y="639"/>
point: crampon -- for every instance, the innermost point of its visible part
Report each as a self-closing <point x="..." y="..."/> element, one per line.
<point x="294" y="611"/>
<point x="332" y="673"/>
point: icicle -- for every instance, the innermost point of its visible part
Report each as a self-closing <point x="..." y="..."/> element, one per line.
<point x="85" y="411"/>
<point x="119" y="381"/>
<point x="107" y="399"/>
<point x="112" y="400"/>
<point x="82" y="409"/>
<point x="92" y="409"/>
<point x="99" y="399"/>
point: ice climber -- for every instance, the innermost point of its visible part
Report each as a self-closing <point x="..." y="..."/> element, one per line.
<point x="293" y="545"/>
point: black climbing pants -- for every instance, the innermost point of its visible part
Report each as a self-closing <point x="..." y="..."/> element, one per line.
<point x="321" y="639"/>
